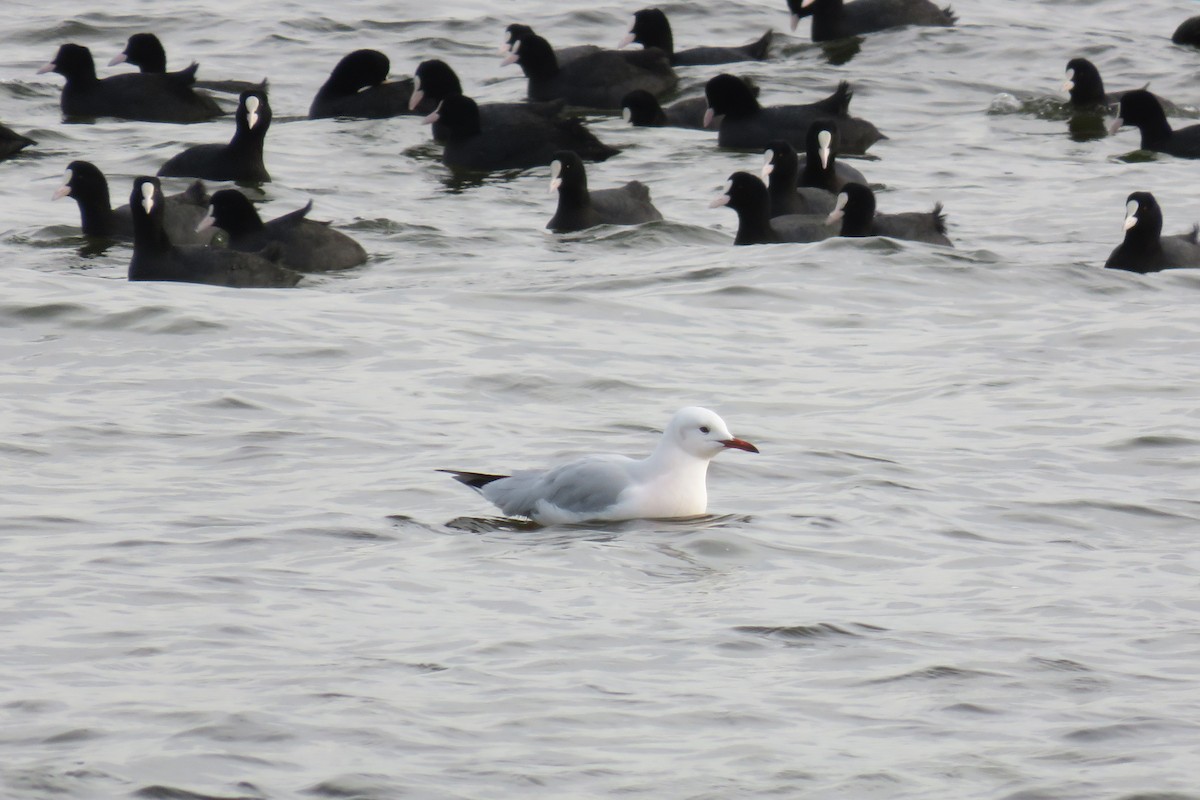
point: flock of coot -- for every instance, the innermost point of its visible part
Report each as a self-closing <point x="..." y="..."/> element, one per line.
<point x="803" y="194"/>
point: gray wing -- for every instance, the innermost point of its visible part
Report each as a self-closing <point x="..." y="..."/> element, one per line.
<point x="585" y="486"/>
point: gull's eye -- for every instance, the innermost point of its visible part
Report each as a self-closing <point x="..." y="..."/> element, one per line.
<point x="704" y="429"/>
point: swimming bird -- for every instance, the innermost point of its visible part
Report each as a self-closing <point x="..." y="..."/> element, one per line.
<point x="12" y="142"/>
<point x="519" y="143"/>
<point x="146" y="52"/>
<point x="358" y="87"/>
<point x="748" y="197"/>
<point x="84" y="183"/>
<point x="750" y="126"/>
<point x="835" y="19"/>
<point x="780" y="171"/>
<point x="434" y="81"/>
<point x="668" y="484"/>
<point x="155" y="258"/>
<point x="1145" y="249"/>
<point x="596" y="80"/>
<point x="563" y="55"/>
<point x="578" y="208"/>
<point x="855" y="210"/>
<point x="650" y="28"/>
<point x="304" y="244"/>
<point x="241" y="159"/>
<point x="1085" y="88"/>
<point x="821" y="168"/>
<point x="1142" y="109"/>
<point x="166" y="97"/>
<point x="642" y="110"/>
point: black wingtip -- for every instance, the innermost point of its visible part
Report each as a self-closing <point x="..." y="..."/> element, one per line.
<point x="476" y="480"/>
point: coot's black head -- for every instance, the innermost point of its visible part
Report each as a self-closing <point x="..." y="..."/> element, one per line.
<point x="1140" y="108"/>
<point x="781" y="165"/>
<point x="855" y="207"/>
<point x="83" y="181"/>
<point x="535" y="55"/>
<point x="144" y="51"/>
<point x="1083" y="82"/>
<point x="650" y="29"/>
<point x="1143" y="219"/>
<point x="567" y="175"/>
<point x="72" y="61"/>
<point x="458" y="117"/>
<point x="729" y="95"/>
<point x="639" y="107"/>
<point x="253" y="113"/>
<point x="146" y="202"/>
<point x="436" y="80"/>
<point x="743" y="193"/>
<point x="821" y="143"/>
<point x="513" y="33"/>
<point x="231" y="211"/>
<point x="358" y="70"/>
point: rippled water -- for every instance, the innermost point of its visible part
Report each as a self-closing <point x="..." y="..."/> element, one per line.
<point x="963" y="565"/>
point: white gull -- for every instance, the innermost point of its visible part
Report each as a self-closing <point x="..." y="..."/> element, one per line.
<point x="669" y="483"/>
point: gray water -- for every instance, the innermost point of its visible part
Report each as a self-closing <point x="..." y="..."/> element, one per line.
<point x="963" y="565"/>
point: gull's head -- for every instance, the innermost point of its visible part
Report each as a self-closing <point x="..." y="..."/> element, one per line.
<point x="701" y="433"/>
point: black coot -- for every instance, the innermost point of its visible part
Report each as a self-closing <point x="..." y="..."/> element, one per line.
<point x="650" y="28"/>
<point x="155" y="258"/>
<point x="434" y="81"/>
<point x="1145" y="249"/>
<point x="241" y="159"/>
<point x="821" y="169"/>
<point x="781" y="171"/>
<point x="597" y="80"/>
<point x="1086" y="88"/>
<point x="1142" y="109"/>
<point x="640" y="109"/>
<point x="578" y="208"/>
<point x="169" y="97"/>
<point x="563" y="55"/>
<point x="856" y="210"/>
<point x="833" y="19"/>
<point x="529" y="141"/>
<point x="305" y="245"/>
<point x="748" y="125"/>
<point x="358" y="87"/>
<point x="145" y="51"/>
<point x="747" y="196"/>
<point x="84" y="183"/>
